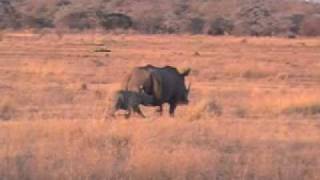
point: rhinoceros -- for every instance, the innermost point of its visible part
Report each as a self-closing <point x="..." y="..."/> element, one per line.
<point x="164" y="84"/>
<point x="130" y="101"/>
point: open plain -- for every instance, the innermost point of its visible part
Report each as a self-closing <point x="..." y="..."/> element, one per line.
<point x="254" y="108"/>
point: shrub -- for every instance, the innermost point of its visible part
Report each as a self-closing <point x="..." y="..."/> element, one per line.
<point x="311" y="25"/>
<point x="157" y="22"/>
<point x="254" y="74"/>
<point x="151" y="25"/>
<point x="63" y="3"/>
<point x="296" y="21"/>
<point x="79" y="20"/>
<point x="196" y="25"/>
<point x="241" y="112"/>
<point x="114" y="20"/>
<point x="310" y="109"/>
<point x="9" y="17"/>
<point x="205" y="108"/>
<point x="38" y="22"/>
<point x="220" y="26"/>
<point x="7" y="109"/>
<point x="256" y="19"/>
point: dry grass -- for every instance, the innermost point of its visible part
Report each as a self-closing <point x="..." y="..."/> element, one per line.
<point x="253" y="114"/>
<point x="304" y="103"/>
<point x="203" y="109"/>
<point x="59" y="149"/>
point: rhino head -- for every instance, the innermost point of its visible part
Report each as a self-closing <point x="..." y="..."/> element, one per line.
<point x="183" y="98"/>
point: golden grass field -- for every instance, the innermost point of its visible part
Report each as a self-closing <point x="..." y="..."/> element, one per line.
<point x="254" y="111"/>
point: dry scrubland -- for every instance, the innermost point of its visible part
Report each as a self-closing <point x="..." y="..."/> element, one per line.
<point x="254" y="112"/>
<point x="216" y="17"/>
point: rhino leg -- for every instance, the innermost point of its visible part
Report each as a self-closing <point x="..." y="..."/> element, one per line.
<point x="127" y="116"/>
<point x="160" y="110"/>
<point x="138" y="110"/>
<point x="172" y="108"/>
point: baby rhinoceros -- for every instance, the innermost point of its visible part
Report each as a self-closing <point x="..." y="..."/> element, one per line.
<point x="130" y="101"/>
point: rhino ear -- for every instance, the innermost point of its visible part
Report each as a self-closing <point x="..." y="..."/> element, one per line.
<point x="185" y="72"/>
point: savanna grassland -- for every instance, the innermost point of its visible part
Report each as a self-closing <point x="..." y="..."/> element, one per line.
<point x="254" y="111"/>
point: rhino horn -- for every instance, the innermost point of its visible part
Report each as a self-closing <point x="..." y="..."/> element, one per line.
<point x="189" y="88"/>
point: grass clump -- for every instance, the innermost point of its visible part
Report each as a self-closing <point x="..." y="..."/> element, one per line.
<point x="205" y="108"/>
<point x="7" y="109"/>
<point x="307" y="110"/>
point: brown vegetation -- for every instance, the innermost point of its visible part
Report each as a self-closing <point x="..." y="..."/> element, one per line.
<point x="236" y="17"/>
<point x="160" y="149"/>
<point x="253" y="114"/>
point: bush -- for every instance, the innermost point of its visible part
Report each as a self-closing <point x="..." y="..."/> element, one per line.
<point x="7" y="109"/>
<point x="220" y="26"/>
<point x="256" y="19"/>
<point x="204" y="108"/>
<point x="63" y="3"/>
<point x="9" y="17"/>
<point x="114" y="20"/>
<point x="38" y="22"/>
<point x="247" y="17"/>
<point x="159" y="22"/>
<point x="172" y="24"/>
<point x="311" y="109"/>
<point x="77" y="20"/>
<point x="196" y="25"/>
<point x="311" y="26"/>
<point x="296" y="21"/>
<point x="150" y="25"/>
